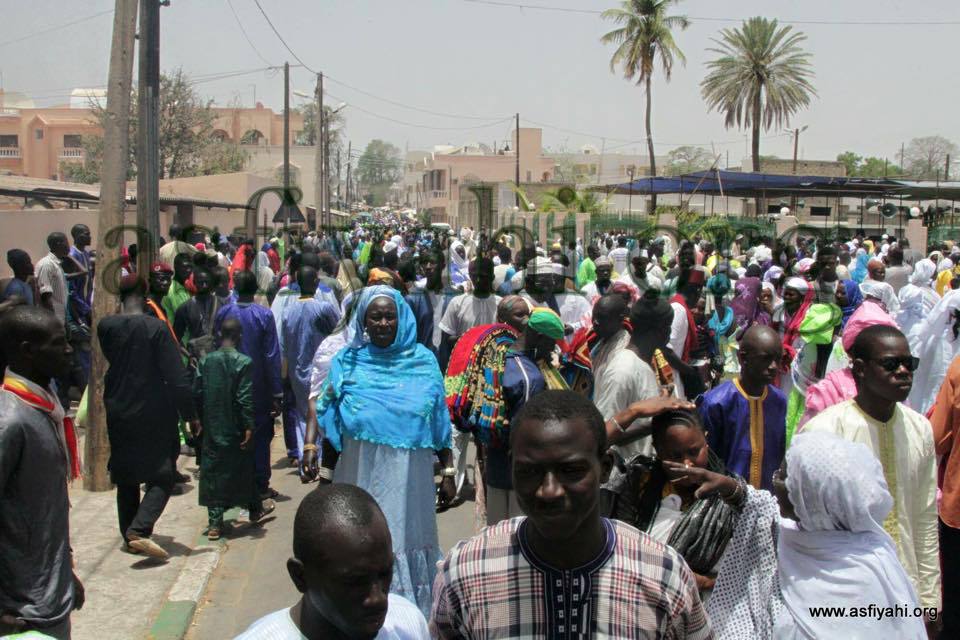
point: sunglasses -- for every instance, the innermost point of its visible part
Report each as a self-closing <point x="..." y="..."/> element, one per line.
<point x="890" y="365"/>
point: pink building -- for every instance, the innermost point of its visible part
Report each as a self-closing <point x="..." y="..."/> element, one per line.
<point x="448" y="169"/>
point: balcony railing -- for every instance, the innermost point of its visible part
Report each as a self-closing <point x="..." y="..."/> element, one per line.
<point x="437" y="194"/>
<point x="9" y="152"/>
<point x="71" y="153"/>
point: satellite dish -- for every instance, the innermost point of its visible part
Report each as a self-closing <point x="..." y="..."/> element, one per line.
<point x="889" y="210"/>
<point x="870" y="203"/>
<point x="784" y="211"/>
<point x="914" y="212"/>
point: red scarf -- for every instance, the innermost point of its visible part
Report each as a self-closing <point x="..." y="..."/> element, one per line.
<point x="690" y="341"/>
<point x="41" y="403"/>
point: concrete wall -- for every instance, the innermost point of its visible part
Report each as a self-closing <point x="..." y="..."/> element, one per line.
<point x="27" y="229"/>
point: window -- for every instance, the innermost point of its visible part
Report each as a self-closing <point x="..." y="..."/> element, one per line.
<point x="9" y="141"/>
<point x="38" y="134"/>
<point x="72" y="141"/>
<point x="820" y="211"/>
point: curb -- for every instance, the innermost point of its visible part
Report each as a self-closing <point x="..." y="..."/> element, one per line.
<point x="176" y="613"/>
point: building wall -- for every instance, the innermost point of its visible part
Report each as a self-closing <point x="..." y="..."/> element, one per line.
<point x="41" y="157"/>
<point x="780" y="166"/>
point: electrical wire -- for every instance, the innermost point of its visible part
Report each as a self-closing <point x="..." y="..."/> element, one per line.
<point x="413" y="124"/>
<point x="245" y="35"/>
<point x="55" y="28"/>
<point x="869" y="23"/>
<point x="280" y="37"/>
<point x="405" y="106"/>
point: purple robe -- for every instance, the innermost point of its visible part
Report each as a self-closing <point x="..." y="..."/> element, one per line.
<point x="735" y="421"/>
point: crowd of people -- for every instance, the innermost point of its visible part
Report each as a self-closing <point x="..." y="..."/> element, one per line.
<point x="672" y="438"/>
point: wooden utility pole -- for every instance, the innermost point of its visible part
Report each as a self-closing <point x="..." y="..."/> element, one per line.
<point x="287" y="200"/>
<point x="339" y="166"/>
<point x="326" y="172"/>
<point x="318" y="155"/>
<point x="516" y="150"/>
<point x="349" y="164"/>
<point x="148" y="133"/>
<point x="113" y="191"/>
<point x="946" y="169"/>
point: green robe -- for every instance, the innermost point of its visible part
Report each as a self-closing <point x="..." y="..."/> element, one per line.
<point x="224" y="391"/>
<point x="587" y="272"/>
<point x="175" y="297"/>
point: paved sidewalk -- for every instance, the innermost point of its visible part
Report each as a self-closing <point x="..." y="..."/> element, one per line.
<point x="130" y="596"/>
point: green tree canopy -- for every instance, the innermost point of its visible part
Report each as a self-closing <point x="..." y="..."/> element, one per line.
<point x="188" y="146"/>
<point x="688" y="159"/>
<point x="378" y="168"/>
<point x="872" y="167"/>
<point x="760" y="78"/>
<point x="644" y="38"/>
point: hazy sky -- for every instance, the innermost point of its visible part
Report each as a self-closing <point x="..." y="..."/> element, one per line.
<point x="878" y="85"/>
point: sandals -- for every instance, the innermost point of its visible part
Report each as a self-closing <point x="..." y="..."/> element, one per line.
<point x="267" y="507"/>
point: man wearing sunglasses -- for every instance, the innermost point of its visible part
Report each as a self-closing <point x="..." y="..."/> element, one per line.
<point x="902" y="440"/>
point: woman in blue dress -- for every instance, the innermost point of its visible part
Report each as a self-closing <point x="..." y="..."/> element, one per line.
<point x="383" y="419"/>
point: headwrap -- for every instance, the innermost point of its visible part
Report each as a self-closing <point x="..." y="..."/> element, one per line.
<point x="160" y="267"/>
<point x="867" y="315"/>
<point x="840" y="550"/>
<point x="923" y="273"/>
<point x="386" y="395"/>
<point x="872" y="289"/>
<point x="718" y="285"/>
<point x="547" y="322"/>
<point x="379" y="276"/>
<point x="603" y="261"/>
<point x="854" y="300"/>
<point x="797" y="284"/>
<point x="819" y="322"/>
<point x="803" y="265"/>
<point x="772" y="274"/>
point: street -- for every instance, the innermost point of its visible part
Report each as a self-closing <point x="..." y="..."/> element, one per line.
<point x="251" y="579"/>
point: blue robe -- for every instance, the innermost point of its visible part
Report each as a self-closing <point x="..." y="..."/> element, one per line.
<point x="748" y="434"/>
<point x="261" y="345"/>
<point x="306" y="323"/>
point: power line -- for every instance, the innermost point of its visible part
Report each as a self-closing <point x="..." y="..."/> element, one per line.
<point x="245" y="35"/>
<point x="871" y="23"/>
<point x="405" y="106"/>
<point x="56" y="28"/>
<point x="280" y="37"/>
<point x="413" y="124"/>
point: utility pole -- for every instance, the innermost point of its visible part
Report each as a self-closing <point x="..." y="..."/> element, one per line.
<point x="946" y="169"/>
<point x="516" y="150"/>
<point x="796" y="141"/>
<point x="326" y="171"/>
<point x="339" y="166"/>
<point x="318" y="155"/>
<point x="286" y="142"/>
<point x="903" y="167"/>
<point x="349" y="164"/>
<point x="113" y="191"/>
<point x="148" y="133"/>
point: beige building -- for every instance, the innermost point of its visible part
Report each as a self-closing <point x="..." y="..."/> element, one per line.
<point x="34" y="141"/>
<point x="447" y="171"/>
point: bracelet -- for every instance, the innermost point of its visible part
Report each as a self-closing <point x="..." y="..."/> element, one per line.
<point x="309" y="447"/>
<point x="618" y="425"/>
<point x="326" y="474"/>
<point x="449" y="472"/>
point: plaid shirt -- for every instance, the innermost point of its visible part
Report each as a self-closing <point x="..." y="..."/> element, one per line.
<point x="493" y="586"/>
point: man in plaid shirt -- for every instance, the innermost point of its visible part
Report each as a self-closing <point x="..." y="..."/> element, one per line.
<point x="563" y="571"/>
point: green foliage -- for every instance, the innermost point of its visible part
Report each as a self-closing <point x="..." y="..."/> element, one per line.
<point x="644" y="38"/>
<point x="872" y="167"/>
<point x="336" y="122"/>
<point x="380" y="164"/>
<point x="568" y="200"/>
<point x="761" y="77"/>
<point x="688" y="159"/>
<point x="187" y="144"/>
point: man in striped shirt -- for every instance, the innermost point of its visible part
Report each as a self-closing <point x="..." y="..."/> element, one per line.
<point x="50" y="277"/>
<point x="563" y="571"/>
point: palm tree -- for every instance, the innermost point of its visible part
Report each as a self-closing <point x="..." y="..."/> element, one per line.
<point x="761" y="77"/>
<point x="645" y="36"/>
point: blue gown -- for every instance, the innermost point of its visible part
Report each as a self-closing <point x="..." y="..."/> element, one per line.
<point x="735" y="422"/>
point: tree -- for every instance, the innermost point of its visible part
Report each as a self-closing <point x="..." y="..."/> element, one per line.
<point x="569" y="200"/>
<point x="378" y="168"/>
<point x="925" y="158"/>
<point x="761" y="77"/>
<point x="688" y="159"/>
<point x="335" y="121"/>
<point x="188" y="146"/>
<point x="871" y="167"/>
<point x="645" y="37"/>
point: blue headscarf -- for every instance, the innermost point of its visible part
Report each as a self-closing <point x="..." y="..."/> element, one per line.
<point x="859" y="272"/>
<point x="854" y="299"/>
<point x="391" y="395"/>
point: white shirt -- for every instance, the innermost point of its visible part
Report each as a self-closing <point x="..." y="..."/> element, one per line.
<point x="619" y="256"/>
<point x="404" y="622"/>
<point x="915" y="493"/>
<point x="51" y="279"/>
<point x="620" y="379"/>
<point x="575" y="309"/>
<point x="468" y="311"/>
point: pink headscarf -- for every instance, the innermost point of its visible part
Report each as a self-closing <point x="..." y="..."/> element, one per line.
<point x="839" y="385"/>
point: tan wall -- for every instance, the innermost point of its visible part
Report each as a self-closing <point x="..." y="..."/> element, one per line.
<point x="27" y="229"/>
<point x="828" y="168"/>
